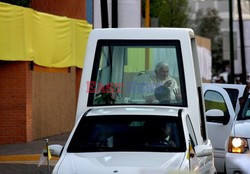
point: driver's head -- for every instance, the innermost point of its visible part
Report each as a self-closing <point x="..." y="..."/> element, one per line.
<point x="167" y="129"/>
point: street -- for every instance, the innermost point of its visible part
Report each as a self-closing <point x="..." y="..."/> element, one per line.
<point x="23" y="169"/>
<point x="23" y="158"/>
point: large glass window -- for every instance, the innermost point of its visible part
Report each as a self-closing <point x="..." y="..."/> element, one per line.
<point x="233" y="94"/>
<point x="128" y="133"/>
<point x="137" y="72"/>
<point x="245" y="111"/>
<point x="214" y="100"/>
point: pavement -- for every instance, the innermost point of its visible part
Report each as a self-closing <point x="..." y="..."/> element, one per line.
<point x="24" y="157"/>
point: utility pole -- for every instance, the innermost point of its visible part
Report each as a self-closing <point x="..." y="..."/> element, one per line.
<point x="114" y="14"/>
<point x="147" y="24"/>
<point x="231" y="79"/>
<point x="104" y="13"/>
<point x="242" y="43"/>
<point x="147" y="14"/>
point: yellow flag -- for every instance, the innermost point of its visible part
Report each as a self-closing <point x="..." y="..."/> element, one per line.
<point x="190" y="152"/>
<point x="49" y="154"/>
<point x="44" y="155"/>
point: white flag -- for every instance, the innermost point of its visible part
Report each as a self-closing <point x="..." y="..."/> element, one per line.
<point x="44" y="156"/>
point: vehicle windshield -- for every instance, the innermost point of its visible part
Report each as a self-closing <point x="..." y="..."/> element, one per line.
<point x="128" y="133"/>
<point x="245" y="111"/>
<point x="137" y="72"/>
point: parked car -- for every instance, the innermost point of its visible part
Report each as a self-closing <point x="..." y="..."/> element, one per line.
<point x="221" y="106"/>
<point x="129" y="140"/>
<point x="237" y="146"/>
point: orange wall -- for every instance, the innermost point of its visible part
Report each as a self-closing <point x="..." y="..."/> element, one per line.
<point x="53" y="102"/>
<point x="15" y="102"/>
<point x="70" y="8"/>
<point x="78" y="81"/>
<point x="35" y="103"/>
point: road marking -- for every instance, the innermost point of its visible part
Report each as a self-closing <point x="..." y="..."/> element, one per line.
<point x="31" y="157"/>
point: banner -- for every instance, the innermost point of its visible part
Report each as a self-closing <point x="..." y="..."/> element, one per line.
<point x="48" y="40"/>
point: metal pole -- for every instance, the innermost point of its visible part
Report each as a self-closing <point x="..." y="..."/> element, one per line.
<point x="47" y="148"/>
<point x="114" y="14"/>
<point x="242" y="44"/>
<point x="231" y="79"/>
<point x="189" y="162"/>
<point x="147" y="13"/>
<point x="104" y="13"/>
<point x="147" y="24"/>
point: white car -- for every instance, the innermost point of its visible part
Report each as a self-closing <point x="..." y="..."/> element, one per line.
<point x="126" y="140"/>
<point x="117" y="121"/>
<point x="221" y="106"/>
<point x="237" y="156"/>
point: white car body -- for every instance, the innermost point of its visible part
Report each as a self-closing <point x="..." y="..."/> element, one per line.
<point x="239" y="162"/>
<point x="219" y="132"/>
<point x="142" y="162"/>
<point x="192" y="78"/>
<point x="114" y="55"/>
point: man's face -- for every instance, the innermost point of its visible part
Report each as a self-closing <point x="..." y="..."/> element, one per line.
<point x="162" y="73"/>
<point x="167" y="130"/>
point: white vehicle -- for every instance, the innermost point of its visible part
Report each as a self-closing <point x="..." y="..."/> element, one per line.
<point x="119" y="65"/>
<point x="237" y="146"/>
<point x="221" y="105"/>
<point x="126" y="140"/>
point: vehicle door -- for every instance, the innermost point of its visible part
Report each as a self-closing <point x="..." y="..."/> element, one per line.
<point x="218" y="125"/>
<point x="200" y="163"/>
<point x="235" y="92"/>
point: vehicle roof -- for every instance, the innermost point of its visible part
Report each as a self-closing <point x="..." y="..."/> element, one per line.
<point x="226" y="85"/>
<point x="142" y="33"/>
<point x="134" y="111"/>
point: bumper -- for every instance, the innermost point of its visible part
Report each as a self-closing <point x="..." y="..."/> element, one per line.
<point x="219" y="164"/>
<point x="219" y="161"/>
<point x="231" y="166"/>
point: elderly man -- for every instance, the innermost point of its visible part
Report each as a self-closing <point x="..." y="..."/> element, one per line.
<point x="161" y="78"/>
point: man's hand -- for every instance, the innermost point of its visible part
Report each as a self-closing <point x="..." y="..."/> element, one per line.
<point x="149" y="100"/>
<point x="168" y="83"/>
<point x="177" y="93"/>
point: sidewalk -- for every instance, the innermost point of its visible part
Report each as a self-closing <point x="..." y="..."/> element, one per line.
<point x="29" y="153"/>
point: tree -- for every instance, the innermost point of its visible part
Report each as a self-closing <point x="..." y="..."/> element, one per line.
<point x="207" y="24"/>
<point x="24" y="3"/>
<point x="171" y="13"/>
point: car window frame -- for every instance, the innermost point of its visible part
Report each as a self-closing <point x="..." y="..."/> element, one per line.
<point x="109" y="42"/>
<point x="79" y="130"/>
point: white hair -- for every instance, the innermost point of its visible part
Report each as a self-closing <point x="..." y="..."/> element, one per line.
<point x="160" y="65"/>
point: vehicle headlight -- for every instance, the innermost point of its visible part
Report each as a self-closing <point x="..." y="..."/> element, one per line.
<point x="237" y="145"/>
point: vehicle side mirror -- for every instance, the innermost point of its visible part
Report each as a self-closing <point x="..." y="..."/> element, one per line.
<point x="203" y="150"/>
<point x="217" y="116"/>
<point x="56" y="150"/>
<point x="215" y="113"/>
